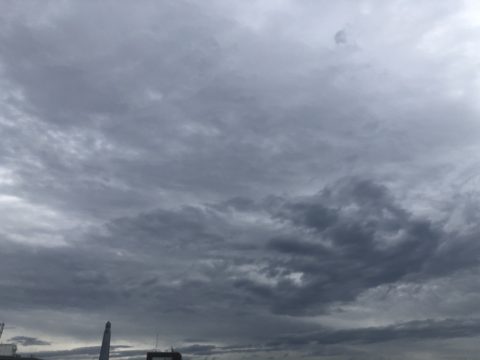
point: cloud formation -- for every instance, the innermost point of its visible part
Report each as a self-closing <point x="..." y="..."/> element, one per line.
<point x="227" y="175"/>
<point x="27" y="341"/>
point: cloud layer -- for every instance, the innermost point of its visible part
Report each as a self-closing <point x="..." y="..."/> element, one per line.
<point x="267" y="177"/>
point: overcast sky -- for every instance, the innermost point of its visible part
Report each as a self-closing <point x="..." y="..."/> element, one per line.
<point x="247" y="179"/>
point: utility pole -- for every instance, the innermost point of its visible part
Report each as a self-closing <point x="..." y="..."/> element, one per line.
<point x="2" y="325"/>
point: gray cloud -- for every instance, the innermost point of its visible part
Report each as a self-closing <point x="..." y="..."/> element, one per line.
<point x="321" y="342"/>
<point x="414" y="331"/>
<point x="196" y="262"/>
<point x="82" y="351"/>
<point x="192" y="93"/>
<point x="28" y="341"/>
<point x="228" y="171"/>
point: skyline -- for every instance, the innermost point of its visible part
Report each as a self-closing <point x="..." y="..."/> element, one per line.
<point x="269" y="178"/>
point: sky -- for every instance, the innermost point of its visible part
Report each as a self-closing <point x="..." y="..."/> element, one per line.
<point x="248" y="178"/>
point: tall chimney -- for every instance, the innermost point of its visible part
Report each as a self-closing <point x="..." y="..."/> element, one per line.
<point x="105" y="351"/>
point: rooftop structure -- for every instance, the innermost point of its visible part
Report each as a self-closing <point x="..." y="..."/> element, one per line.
<point x="8" y="350"/>
<point x="167" y="355"/>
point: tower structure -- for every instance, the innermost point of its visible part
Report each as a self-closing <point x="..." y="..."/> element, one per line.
<point x="105" y="350"/>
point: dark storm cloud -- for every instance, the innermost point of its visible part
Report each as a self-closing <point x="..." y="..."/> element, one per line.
<point x="320" y="342"/>
<point x="350" y="238"/>
<point x="414" y="331"/>
<point x="229" y="169"/>
<point x="63" y="86"/>
<point x="62" y="83"/>
<point x="143" y="106"/>
<point x="338" y="252"/>
<point x="207" y="263"/>
<point x="27" y="341"/>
